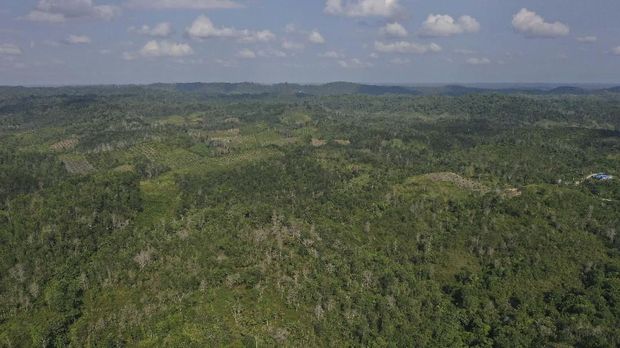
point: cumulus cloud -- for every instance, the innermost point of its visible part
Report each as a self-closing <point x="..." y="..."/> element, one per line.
<point x="464" y="51"/>
<point x="394" y="30"/>
<point x="400" y="61"/>
<point x="353" y="63"/>
<point x="316" y="37"/>
<point x="406" y="47"/>
<point x="587" y="39"/>
<point x="77" y="40"/>
<point x="58" y="11"/>
<point x="163" y="29"/>
<point x="156" y="48"/>
<point x="129" y="56"/>
<point x="290" y="28"/>
<point x="331" y="54"/>
<point x="271" y="53"/>
<point x="292" y="46"/>
<point x="40" y="16"/>
<point x="203" y="28"/>
<point x="183" y="4"/>
<point x="257" y="36"/>
<point x="532" y="25"/>
<point x="10" y="50"/>
<point x="478" y="61"/>
<point x="246" y="54"/>
<point x="362" y="8"/>
<point x="444" y="25"/>
<point x="616" y="50"/>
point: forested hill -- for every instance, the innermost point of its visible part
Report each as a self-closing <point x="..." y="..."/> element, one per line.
<point x="300" y="90"/>
<point x="335" y="88"/>
<point x="210" y="215"/>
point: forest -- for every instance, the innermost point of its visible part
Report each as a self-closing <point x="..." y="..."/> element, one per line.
<point x="339" y="215"/>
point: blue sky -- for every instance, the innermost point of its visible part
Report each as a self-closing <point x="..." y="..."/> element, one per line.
<point x="379" y="41"/>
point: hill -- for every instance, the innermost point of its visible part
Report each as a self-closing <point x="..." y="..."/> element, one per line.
<point x="320" y="215"/>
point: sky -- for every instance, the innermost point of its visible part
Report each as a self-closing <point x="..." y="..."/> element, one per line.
<point x="76" y="42"/>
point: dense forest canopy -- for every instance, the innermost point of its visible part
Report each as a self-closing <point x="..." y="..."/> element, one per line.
<point x="335" y="215"/>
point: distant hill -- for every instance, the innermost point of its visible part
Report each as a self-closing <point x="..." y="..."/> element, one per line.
<point x="335" y="88"/>
<point x="343" y="88"/>
<point x="613" y="89"/>
<point x="453" y="90"/>
<point x="568" y="90"/>
<point x="298" y="90"/>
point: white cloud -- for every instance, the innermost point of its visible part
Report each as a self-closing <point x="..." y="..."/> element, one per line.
<point x="183" y="4"/>
<point x="532" y="25"/>
<point x="463" y="51"/>
<point x="331" y="54"/>
<point x="129" y="56"/>
<point x="163" y="29"/>
<point x="246" y="54"/>
<point x="227" y="63"/>
<point x="257" y="36"/>
<point x="400" y="61"/>
<point x="290" y="28"/>
<point x="587" y="39"/>
<point x="10" y="50"/>
<point x="316" y="37"/>
<point x="292" y="46"/>
<point x="271" y="53"/>
<point x="51" y="43"/>
<point x="353" y="63"/>
<point x="58" y="11"/>
<point x="444" y="25"/>
<point x="406" y="47"/>
<point x="77" y="40"/>
<point x="156" y="48"/>
<point x="469" y="24"/>
<point x="478" y="61"/>
<point x="394" y="30"/>
<point x="203" y="28"/>
<point x="362" y="8"/>
<point x="616" y="50"/>
<point x="40" y="16"/>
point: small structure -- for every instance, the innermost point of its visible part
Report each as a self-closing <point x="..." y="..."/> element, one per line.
<point x="602" y="176"/>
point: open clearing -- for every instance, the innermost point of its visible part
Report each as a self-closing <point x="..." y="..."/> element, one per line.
<point x="76" y="164"/>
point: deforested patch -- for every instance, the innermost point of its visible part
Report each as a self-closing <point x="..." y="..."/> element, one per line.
<point x="318" y="142"/>
<point x="64" y="145"/>
<point x="77" y="165"/>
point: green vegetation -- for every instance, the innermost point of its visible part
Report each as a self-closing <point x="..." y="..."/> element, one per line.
<point x="207" y="215"/>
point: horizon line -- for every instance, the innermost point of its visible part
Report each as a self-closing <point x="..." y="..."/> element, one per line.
<point x="407" y="84"/>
